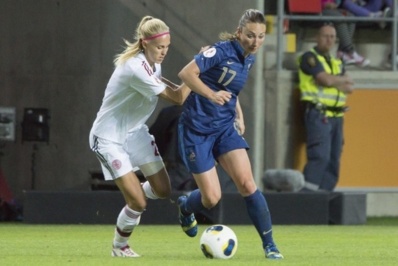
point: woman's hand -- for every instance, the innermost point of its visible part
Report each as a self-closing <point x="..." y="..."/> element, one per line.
<point x="239" y="126"/>
<point x="221" y="97"/>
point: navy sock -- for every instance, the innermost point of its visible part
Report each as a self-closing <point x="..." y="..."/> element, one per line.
<point x="259" y="214"/>
<point x="193" y="203"/>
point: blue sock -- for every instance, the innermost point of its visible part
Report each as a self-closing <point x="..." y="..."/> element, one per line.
<point x="259" y="214"/>
<point x="193" y="203"/>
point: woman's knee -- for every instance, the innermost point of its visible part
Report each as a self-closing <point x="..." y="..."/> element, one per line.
<point x="211" y="201"/>
<point x="246" y="187"/>
<point x="160" y="183"/>
<point x="163" y="192"/>
<point x="137" y="204"/>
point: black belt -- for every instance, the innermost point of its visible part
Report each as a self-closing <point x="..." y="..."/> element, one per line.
<point x="322" y="107"/>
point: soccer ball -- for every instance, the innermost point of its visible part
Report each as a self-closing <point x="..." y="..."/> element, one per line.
<point x="218" y="242"/>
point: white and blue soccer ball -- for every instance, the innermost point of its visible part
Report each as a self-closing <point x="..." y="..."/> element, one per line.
<point x="218" y="242"/>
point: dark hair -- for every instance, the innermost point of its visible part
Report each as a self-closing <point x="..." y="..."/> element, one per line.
<point x="327" y="23"/>
<point x="249" y="16"/>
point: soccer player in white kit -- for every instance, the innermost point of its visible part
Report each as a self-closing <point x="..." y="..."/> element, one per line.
<point x="119" y="135"/>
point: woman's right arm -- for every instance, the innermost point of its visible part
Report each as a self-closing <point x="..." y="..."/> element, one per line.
<point x="190" y="76"/>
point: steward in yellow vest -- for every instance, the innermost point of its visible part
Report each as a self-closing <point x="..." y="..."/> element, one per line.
<point x="331" y="99"/>
<point x="324" y="86"/>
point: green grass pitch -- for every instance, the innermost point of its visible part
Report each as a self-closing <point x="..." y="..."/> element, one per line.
<point x="375" y="243"/>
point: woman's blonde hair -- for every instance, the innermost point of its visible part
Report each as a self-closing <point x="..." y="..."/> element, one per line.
<point x="147" y="27"/>
<point x="250" y="16"/>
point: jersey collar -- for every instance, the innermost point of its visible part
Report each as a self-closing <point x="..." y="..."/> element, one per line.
<point x="239" y="50"/>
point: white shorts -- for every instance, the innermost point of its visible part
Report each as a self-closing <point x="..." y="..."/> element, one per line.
<point x="118" y="159"/>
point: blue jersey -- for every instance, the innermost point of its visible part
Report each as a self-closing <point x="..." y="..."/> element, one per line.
<point x="222" y="67"/>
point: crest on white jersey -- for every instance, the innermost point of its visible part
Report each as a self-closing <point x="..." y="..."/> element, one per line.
<point x="210" y="52"/>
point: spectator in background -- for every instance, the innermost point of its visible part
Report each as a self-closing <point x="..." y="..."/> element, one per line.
<point x="324" y="87"/>
<point x="370" y="8"/>
<point x="345" y="32"/>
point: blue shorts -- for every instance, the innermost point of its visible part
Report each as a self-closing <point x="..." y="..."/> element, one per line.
<point x="200" y="152"/>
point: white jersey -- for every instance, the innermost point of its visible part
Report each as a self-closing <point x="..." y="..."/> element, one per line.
<point x="130" y="99"/>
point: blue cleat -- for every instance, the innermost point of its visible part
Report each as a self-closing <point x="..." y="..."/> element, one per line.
<point x="271" y="252"/>
<point x="188" y="222"/>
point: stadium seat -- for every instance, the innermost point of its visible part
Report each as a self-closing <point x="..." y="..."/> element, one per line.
<point x="304" y="7"/>
<point x="300" y="7"/>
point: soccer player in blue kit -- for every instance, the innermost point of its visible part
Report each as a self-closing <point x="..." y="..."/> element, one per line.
<point x="211" y="127"/>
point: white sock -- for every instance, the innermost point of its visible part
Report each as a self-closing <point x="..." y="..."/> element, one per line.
<point x="127" y="220"/>
<point x="148" y="191"/>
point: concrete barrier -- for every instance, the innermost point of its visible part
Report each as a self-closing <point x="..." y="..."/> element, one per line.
<point x="103" y="207"/>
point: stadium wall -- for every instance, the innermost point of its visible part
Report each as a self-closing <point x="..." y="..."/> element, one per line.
<point x="58" y="55"/>
<point x="101" y="207"/>
<point x="368" y="159"/>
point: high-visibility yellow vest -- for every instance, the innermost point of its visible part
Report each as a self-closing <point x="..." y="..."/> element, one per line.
<point x="315" y="93"/>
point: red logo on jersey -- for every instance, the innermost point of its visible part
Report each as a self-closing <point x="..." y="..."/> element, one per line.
<point x="117" y="164"/>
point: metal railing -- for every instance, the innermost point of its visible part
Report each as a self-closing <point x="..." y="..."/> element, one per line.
<point x="281" y="16"/>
